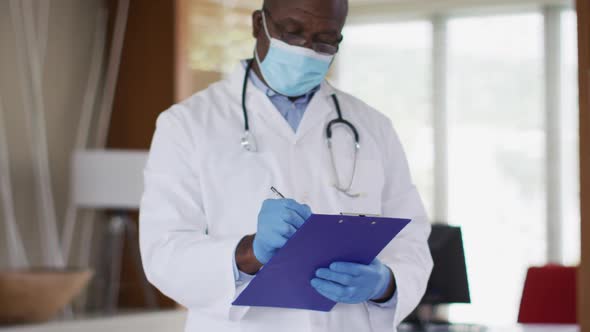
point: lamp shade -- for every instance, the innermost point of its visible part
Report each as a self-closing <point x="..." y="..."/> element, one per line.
<point x="108" y="179"/>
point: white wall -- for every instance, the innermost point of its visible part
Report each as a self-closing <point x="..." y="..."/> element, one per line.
<point x="71" y="27"/>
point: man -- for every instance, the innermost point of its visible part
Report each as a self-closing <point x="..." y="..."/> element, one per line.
<point x="208" y="220"/>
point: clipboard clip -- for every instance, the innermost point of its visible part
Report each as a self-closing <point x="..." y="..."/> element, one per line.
<point x="349" y="214"/>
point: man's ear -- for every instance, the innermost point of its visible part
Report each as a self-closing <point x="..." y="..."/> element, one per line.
<point x="256" y="23"/>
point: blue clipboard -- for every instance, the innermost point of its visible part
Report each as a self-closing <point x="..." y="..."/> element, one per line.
<point x="284" y="282"/>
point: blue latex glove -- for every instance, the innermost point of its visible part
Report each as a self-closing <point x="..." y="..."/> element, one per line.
<point x="278" y="220"/>
<point x="352" y="283"/>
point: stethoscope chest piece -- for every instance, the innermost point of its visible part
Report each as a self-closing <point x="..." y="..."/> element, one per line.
<point x="248" y="142"/>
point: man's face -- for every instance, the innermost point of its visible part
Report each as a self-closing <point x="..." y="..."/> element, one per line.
<point x="314" y="24"/>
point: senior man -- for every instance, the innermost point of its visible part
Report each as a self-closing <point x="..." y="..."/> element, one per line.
<point x="208" y="220"/>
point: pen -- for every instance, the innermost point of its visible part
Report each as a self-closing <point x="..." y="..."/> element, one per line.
<point x="274" y="190"/>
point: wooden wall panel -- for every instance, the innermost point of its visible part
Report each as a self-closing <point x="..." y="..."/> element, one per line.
<point x="145" y="88"/>
<point x="583" y="9"/>
<point x="146" y="84"/>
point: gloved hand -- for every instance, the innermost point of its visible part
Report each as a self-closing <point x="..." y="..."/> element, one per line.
<point x="353" y="283"/>
<point x="278" y="220"/>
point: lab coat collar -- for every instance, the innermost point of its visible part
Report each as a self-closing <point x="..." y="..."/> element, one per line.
<point x="315" y="114"/>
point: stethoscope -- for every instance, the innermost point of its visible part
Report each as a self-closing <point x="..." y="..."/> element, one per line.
<point x="249" y="144"/>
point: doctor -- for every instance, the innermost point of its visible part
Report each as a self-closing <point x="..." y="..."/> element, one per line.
<point x="208" y="219"/>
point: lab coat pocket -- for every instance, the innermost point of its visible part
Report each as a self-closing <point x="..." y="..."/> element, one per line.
<point x="239" y="181"/>
<point x="365" y="180"/>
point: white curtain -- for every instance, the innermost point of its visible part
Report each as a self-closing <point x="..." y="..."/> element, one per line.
<point x="45" y="65"/>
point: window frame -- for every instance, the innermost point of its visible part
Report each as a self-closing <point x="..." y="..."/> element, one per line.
<point x="438" y="15"/>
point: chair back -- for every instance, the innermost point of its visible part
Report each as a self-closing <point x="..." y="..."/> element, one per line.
<point x="549" y="296"/>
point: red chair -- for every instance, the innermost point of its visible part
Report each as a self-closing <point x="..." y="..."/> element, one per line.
<point x="549" y="296"/>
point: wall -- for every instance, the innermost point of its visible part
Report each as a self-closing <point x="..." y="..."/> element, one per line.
<point x="583" y="8"/>
<point x="145" y="88"/>
<point x="71" y="27"/>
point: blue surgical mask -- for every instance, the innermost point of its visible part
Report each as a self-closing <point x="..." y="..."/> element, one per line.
<point x="292" y="70"/>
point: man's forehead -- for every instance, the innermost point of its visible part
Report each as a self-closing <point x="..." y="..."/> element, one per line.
<point x="329" y="9"/>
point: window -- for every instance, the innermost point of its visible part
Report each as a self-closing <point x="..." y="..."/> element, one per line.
<point x="403" y="51"/>
<point x="570" y="143"/>
<point x="496" y="124"/>
<point x="496" y="156"/>
<point x="219" y="33"/>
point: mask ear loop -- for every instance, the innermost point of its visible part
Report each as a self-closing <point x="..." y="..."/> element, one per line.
<point x="267" y="36"/>
<point x="265" y="26"/>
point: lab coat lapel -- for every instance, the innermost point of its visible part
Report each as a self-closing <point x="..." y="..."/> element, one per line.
<point x="262" y="113"/>
<point x="317" y="111"/>
<point x="268" y="113"/>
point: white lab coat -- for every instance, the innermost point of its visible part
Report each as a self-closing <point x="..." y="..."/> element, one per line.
<point x="203" y="192"/>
